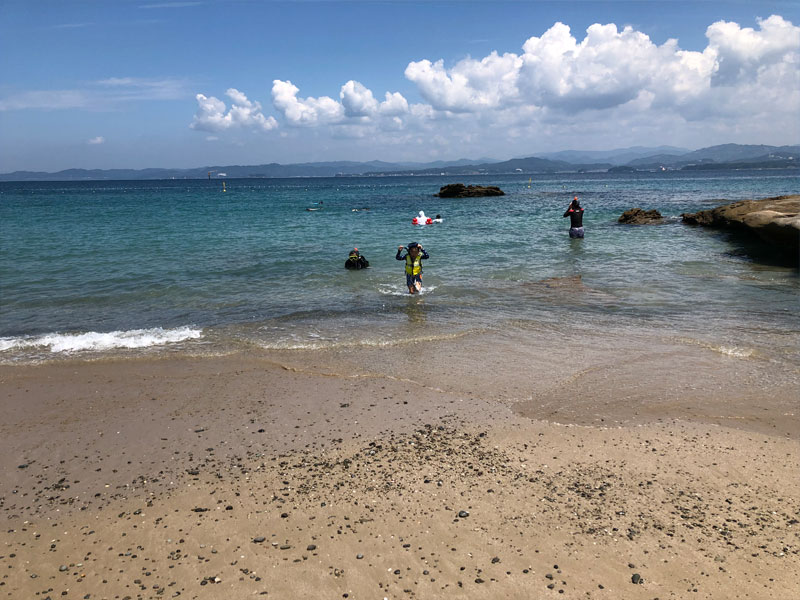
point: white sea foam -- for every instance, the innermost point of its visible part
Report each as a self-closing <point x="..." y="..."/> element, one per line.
<point x="94" y="341"/>
<point x="380" y="342"/>
<point x="732" y="351"/>
<point x="402" y="290"/>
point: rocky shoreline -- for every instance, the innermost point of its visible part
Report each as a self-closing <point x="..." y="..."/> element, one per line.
<point x="774" y="220"/>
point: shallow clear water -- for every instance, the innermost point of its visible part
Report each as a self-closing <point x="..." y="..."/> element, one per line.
<point x="90" y="268"/>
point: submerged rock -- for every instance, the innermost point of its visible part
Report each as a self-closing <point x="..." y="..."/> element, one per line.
<point x="774" y="220"/>
<point x="459" y="190"/>
<point x="638" y="216"/>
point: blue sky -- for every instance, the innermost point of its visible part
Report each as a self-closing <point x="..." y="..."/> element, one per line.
<point x="135" y="84"/>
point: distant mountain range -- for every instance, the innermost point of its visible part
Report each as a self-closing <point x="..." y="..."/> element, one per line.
<point x="318" y="169"/>
<point x="726" y="156"/>
<point x="637" y="158"/>
<point x="615" y="157"/>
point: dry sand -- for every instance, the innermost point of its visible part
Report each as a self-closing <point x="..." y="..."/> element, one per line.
<point x="234" y="477"/>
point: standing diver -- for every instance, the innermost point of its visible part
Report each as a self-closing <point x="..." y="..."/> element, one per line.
<point x="416" y="254"/>
<point x="575" y="214"/>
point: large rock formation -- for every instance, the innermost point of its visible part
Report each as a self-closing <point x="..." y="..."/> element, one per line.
<point x="459" y="190"/>
<point x="775" y="220"/>
<point x="638" y="216"/>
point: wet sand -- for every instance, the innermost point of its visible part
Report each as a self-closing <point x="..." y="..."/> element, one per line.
<point x="237" y="476"/>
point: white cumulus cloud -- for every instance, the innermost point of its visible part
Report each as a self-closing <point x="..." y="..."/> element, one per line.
<point x="470" y="85"/>
<point x="739" y="52"/>
<point x="97" y="140"/>
<point x="357" y="100"/>
<point x="304" y="112"/>
<point x="608" y="82"/>
<point x="357" y="108"/>
<point x="611" y="68"/>
<point x="211" y="114"/>
<point x="394" y="105"/>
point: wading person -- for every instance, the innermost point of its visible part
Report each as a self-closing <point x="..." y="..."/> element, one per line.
<point x="414" y="257"/>
<point x="575" y="214"/>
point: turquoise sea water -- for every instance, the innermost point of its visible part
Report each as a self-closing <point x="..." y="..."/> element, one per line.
<point x="94" y="269"/>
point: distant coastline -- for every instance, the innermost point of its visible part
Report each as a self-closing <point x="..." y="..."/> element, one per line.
<point x="723" y="157"/>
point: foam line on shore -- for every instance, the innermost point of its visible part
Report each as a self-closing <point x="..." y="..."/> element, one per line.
<point x="730" y="350"/>
<point x="93" y="341"/>
<point x="329" y="344"/>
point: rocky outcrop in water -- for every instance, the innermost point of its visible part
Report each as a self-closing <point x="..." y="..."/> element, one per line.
<point x="459" y="190"/>
<point x="774" y="220"/>
<point x="638" y="216"/>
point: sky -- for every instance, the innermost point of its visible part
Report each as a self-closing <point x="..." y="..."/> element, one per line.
<point x="180" y="84"/>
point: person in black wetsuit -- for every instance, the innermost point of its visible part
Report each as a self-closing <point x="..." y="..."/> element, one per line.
<point x="575" y="214"/>
<point x="355" y="260"/>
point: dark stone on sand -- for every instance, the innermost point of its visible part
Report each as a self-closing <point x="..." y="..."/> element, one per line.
<point x="359" y="556"/>
<point x="259" y="539"/>
<point x="463" y="514"/>
<point x="199" y="510"/>
<point x="773" y="220"/>
<point x="636" y="578"/>
<point x="495" y="560"/>
<point x="459" y="190"/>
<point x="638" y="216"/>
<point x="311" y="547"/>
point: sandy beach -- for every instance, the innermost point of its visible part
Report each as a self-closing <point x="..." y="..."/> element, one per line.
<point x="234" y="477"/>
<point x="590" y="390"/>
